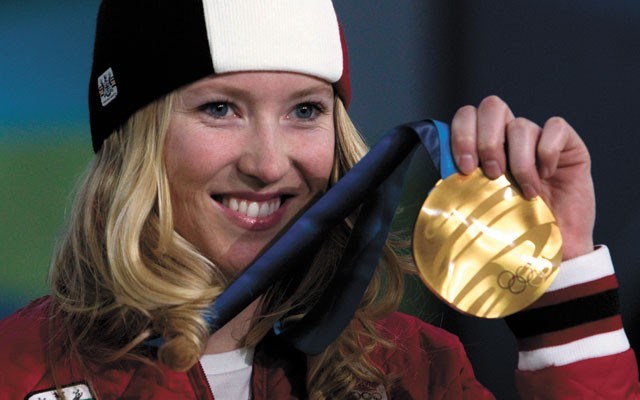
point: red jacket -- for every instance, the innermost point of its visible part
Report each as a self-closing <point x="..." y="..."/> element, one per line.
<point x="571" y="346"/>
<point x="279" y="372"/>
<point x="431" y="364"/>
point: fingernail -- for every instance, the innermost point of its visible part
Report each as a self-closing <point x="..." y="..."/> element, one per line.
<point x="491" y="169"/>
<point x="465" y="163"/>
<point x="528" y="190"/>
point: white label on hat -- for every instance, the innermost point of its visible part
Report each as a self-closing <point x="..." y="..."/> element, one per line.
<point x="107" y="87"/>
<point x="284" y="35"/>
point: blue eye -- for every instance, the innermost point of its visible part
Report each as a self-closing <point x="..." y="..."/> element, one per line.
<point x="218" y="109"/>
<point x="306" y="110"/>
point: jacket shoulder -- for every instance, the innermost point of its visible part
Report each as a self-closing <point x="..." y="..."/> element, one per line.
<point x="402" y="328"/>
<point x="429" y="361"/>
<point x="26" y="328"/>
<point x="23" y="336"/>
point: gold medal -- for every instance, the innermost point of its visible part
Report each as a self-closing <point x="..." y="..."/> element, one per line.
<point x="483" y="248"/>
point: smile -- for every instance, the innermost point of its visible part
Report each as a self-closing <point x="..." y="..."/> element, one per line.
<point x="250" y="208"/>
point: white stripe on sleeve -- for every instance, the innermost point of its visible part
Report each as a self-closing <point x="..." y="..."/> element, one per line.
<point x="587" y="268"/>
<point x="600" y="345"/>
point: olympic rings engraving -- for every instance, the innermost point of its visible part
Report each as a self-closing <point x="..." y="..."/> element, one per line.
<point x="525" y="275"/>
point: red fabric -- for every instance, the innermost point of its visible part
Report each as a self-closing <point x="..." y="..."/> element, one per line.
<point x="343" y="86"/>
<point x="605" y="378"/>
<point x="576" y="291"/>
<point x="430" y="364"/>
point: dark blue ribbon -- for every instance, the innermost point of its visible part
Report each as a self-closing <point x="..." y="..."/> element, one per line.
<point x="375" y="183"/>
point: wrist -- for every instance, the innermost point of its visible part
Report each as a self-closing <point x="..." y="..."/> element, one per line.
<point x="573" y="250"/>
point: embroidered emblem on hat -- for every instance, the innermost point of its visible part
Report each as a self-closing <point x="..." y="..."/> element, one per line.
<point x="107" y="87"/>
<point x="75" y="391"/>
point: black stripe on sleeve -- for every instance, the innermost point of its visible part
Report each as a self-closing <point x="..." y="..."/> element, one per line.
<point x="564" y="315"/>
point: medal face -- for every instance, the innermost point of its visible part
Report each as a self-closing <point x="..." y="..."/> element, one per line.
<point x="483" y="248"/>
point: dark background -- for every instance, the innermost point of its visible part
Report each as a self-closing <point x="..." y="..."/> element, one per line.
<point x="410" y="59"/>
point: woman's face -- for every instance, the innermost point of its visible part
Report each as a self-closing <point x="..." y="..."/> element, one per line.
<point x="244" y="153"/>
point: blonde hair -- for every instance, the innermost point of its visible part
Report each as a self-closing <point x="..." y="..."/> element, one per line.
<point x="121" y="273"/>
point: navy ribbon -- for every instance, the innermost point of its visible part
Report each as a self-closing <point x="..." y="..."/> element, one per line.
<point x="375" y="183"/>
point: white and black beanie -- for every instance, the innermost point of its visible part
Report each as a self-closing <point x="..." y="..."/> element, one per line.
<point x="145" y="49"/>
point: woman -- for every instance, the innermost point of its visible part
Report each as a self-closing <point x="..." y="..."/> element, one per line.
<point x="214" y="124"/>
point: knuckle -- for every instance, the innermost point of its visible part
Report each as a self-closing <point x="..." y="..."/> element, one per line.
<point x="492" y="101"/>
<point x="520" y="124"/>
<point x="546" y="153"/>
<point x="463" y="120"/>
<point x="489" y="148"/>
<point x="466" y="110"/>
<point x="521" y="172"/>
<point x="462" y="141"/>
<point x="557" y="123"/>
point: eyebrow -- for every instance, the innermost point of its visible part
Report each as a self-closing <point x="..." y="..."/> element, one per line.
<point x="234" y="91"/>
<point x="319" y="89"/>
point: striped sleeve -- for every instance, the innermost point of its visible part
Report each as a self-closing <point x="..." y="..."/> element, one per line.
<point x="577" y="319"/>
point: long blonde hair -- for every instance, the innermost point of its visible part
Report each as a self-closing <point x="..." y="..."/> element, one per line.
<point x="121" y="273"/>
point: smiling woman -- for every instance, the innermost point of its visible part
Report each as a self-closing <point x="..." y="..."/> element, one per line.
<point x="245" y="152"/>
<point x="212" y="135"/>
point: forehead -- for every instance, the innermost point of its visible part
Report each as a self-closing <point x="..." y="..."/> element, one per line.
<point x="259" y="84"/>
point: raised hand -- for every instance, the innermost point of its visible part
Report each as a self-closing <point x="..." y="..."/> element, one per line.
<point x="551" y="161"/>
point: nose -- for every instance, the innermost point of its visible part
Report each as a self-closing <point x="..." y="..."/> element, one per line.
<point x="265" y="157"/>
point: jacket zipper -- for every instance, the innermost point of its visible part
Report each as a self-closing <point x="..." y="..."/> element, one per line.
<point x="199" y="383"/>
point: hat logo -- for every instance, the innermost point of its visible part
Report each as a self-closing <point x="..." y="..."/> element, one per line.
<point x="107" y="87"/>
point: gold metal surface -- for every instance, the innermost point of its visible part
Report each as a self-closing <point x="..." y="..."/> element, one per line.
<point x="483" y="248"/>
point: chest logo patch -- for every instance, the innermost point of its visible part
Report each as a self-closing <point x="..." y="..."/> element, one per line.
<point x="76" y="391"/>
<point x="378" y="394"/>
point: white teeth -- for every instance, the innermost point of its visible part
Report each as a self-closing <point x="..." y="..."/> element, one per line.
<point x="264" y="210"/>
<point x="233" y="204"/>
<point x="274" y="205"/>
<point x="252" y="209"/>
<point x="243" y="207"/>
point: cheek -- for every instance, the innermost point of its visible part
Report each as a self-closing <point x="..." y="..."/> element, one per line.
<point x="178" y="148"/>
<point x="319" y="159"/>
<point x="327" y="161"/>
<point x="192" y="156"/>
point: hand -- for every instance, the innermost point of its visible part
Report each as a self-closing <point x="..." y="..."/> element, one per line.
<point x="552" y="162"/>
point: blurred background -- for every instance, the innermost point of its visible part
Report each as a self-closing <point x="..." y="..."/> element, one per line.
<point x="410" y="59"/>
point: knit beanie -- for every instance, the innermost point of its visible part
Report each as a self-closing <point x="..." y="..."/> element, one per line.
<point x="145" y="49"/>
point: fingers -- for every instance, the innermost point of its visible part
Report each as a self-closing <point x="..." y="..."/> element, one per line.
<point x="535" y="153"/>
<point x="463" y="139"/>
<point x="493" y="116"/>
<point x="478" y="137"/>
<point x="492" y="138"/>
<point x="523" y="138"/>
<point x="558" y="136"/>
